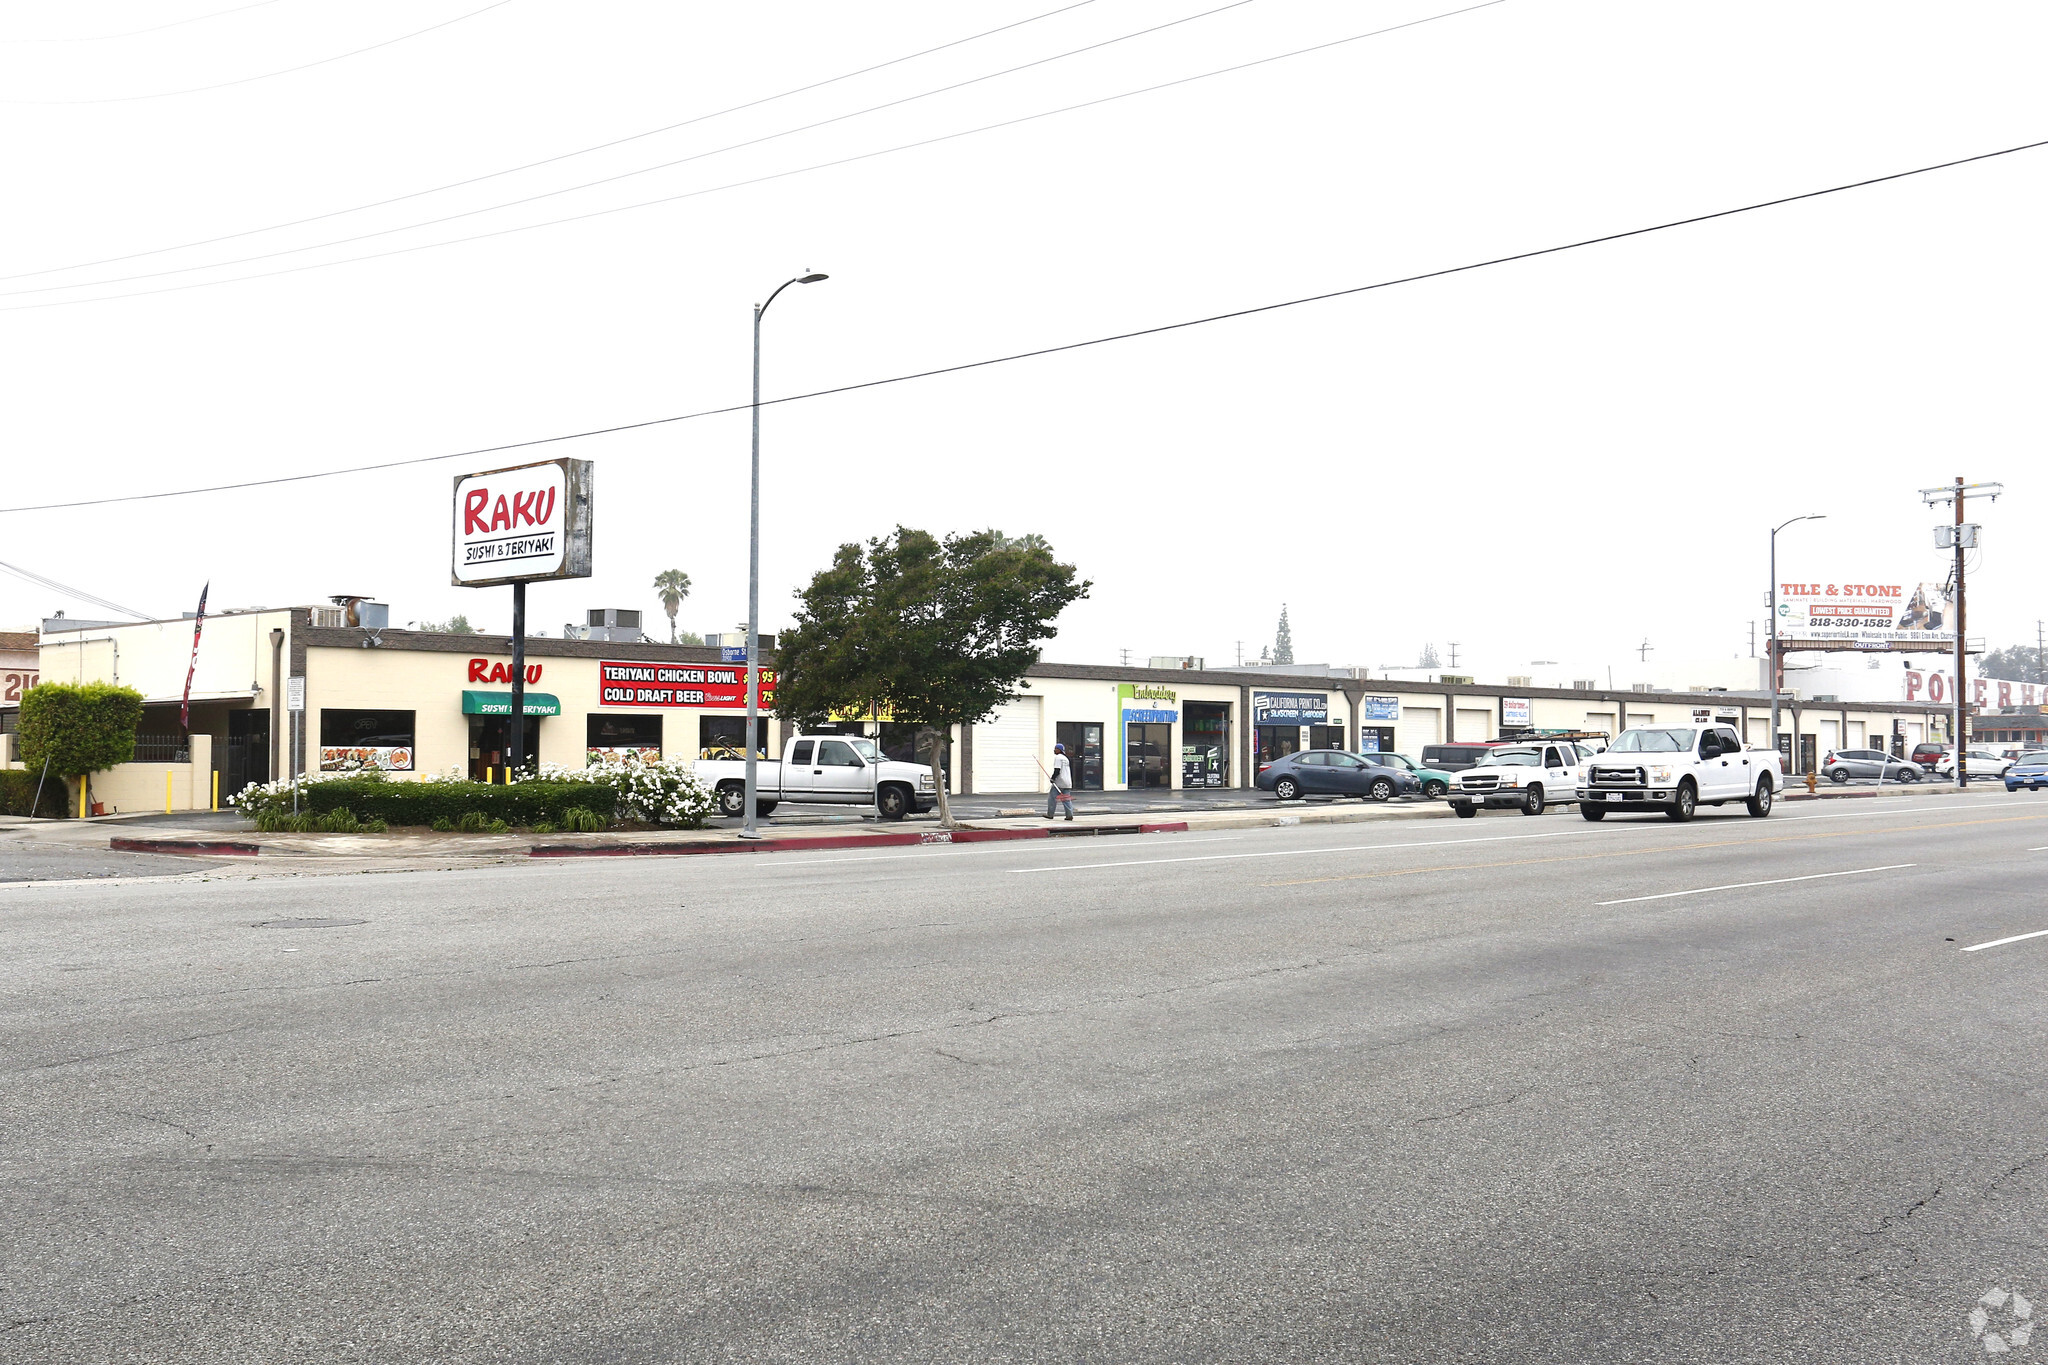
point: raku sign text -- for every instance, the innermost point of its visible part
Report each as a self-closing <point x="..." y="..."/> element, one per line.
<point x="529" y="522"/>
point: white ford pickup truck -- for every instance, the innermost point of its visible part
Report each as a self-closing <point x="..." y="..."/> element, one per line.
<point x="1677" y="769"/>
<point x="843" y="770"/>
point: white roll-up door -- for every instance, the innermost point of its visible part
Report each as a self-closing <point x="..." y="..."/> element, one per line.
<point x="1006" y="754"/>
<point x="1420" y="725"/>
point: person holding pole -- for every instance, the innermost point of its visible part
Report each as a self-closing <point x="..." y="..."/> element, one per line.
<point x="1060" y="791"/>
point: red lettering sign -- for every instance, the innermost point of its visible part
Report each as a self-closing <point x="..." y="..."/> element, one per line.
<point x="485" y="671"/>
<point x="473" y="502"/>
<point x="722" y="686"/>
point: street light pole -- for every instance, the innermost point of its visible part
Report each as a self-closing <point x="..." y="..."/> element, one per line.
<point x="1777" y="656"/>
<point x="749" y="830"/>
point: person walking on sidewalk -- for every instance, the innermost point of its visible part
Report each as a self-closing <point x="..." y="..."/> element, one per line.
<point x="1061" y="791"/>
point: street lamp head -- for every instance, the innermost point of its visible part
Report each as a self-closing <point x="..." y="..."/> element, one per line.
<point x="811" y="279"/>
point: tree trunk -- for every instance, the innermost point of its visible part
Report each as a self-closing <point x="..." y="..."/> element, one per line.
<point x="942" y="743"/>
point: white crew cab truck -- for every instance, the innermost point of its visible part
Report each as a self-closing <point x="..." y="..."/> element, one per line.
<point x="839" y="770"/>
<point x="1677" y="769"/>
<point x="1529" y="775"/>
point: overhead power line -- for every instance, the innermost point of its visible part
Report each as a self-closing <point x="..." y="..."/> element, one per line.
<point x="1066" y="346"/>
<point x="153" y="28"/>
<point x="550" y="160"/>
<point x="735" y="184"/>
<point x="638" y="171"/>
<point x="268" y="75"/>
<point x="75" y="594"/>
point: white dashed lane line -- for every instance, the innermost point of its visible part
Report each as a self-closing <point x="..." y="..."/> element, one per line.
<point x="2001" y="942"/>
<point x="1741" y="886"/>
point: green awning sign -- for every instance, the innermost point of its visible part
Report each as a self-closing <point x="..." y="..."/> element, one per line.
<point x="500" y="704"/>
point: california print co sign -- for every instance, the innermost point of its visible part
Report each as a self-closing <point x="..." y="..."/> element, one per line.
<point x="515" y="525"/>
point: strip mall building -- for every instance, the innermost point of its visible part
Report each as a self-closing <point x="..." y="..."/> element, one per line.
<point x="410" y="702"/>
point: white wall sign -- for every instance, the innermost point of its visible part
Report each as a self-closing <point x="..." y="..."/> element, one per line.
<point x="1514" y="711"/>
<point x="528" y="522"/>
<point x="295" y="694"/>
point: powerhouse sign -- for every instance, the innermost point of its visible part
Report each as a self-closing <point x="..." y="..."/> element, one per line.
<point x="528" y="522"/>
<point x="631" y="684"/>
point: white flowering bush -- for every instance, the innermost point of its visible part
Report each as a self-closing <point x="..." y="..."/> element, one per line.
<point x="257" y="798"/>
<point x="661" y="791"/>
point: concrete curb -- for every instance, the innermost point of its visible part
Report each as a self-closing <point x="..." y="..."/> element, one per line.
<point x="191" y="848"/>
<point x="799" y="843"/>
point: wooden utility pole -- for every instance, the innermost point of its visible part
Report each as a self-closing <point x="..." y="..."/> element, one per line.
<point x="1959" y="728"/>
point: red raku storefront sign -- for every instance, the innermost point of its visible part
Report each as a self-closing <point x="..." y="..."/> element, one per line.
<point x="631" y="684"/>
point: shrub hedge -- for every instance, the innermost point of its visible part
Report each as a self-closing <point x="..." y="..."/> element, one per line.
<point x="18" y="790"/>
<point x="422" y="803"/>
<point x="78" y="728"/>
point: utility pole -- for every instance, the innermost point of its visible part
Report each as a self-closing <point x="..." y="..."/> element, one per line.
<point x="1123" y="657"/>
<point x="1960" y="727"/>
<point x="1240" y="654"/>
<point x="1643" y="649"/>
<point x="1454" y="655"/>
<point x="2041" y="652"/>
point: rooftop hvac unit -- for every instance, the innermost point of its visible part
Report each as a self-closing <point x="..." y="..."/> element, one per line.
<point x="1518" y="679"/>
<point x="608" y="623"/>
<point x="1174" y="661"/>
<point x="1825" y="696"/>
<point x="1585" y="684"/>
<point x="1642" y="687"/>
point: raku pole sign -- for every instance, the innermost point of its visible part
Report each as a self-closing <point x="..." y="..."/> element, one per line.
<point x="517" y="525"/>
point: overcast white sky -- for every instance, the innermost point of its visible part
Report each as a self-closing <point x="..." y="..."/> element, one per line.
<point x="1430" y="463"/>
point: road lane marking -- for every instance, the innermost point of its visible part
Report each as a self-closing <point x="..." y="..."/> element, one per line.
<point x="934" y="851"/>
<point x="1304" y="852"/>
<point x="1743" y="886"/>
<point x="1499" y="838"/>
<point x="2000" y="942"/>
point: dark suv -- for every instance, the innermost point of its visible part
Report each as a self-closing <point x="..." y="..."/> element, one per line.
<point x="1454" y="757"/>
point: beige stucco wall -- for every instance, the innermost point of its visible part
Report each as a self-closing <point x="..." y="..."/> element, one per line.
<point x="431" y="686"/>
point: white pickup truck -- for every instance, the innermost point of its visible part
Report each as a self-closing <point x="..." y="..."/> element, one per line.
<point x="840" y="770"/>
<point x="1529" y="775"/>
<point x="1677" y="769"/>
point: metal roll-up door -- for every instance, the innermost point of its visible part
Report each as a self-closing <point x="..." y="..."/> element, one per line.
<point x="1006" y="755"/>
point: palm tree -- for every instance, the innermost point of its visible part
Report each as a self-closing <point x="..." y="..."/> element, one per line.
<point x="673" y="585"/>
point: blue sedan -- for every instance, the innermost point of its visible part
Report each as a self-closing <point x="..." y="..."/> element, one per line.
<point x="1332" y="772"/>
<point x="2029" y="771"/>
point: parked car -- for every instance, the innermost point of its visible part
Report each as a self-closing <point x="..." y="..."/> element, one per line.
<point x="1435" y="781"/>
<point x="1526" y="777"/>
<point x="1454" y="757"/>
<point x="2029" y="770"/>
<point x="1677" y="769"/>
<point x="1927" y="755"/>
<point x="1844" y="764"/>
<point x="1332" y="772"/>
<point x="844" y="770"/>
<point x="1983" y="763"/>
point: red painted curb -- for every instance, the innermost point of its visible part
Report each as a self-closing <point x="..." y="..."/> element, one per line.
<point x="1172" y="827"/>
<point x="208" y="848"/>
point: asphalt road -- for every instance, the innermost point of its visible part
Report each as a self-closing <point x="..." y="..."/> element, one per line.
<point x="1506" y="1089"/>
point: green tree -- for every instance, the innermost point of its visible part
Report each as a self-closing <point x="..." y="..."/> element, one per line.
<point x="936" y="631"/>
<point x="78" y="728"/>
<point x="1283" y="639"/>
<point x="1429" y="657"/>
<point x="454" y="625"/>
<point x="672" y="586"/>
<point x="2014" y="663"/>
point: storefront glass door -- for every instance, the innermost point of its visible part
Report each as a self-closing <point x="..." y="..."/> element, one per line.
<point x="1205" y="744"/>
<point x="1148" y="746"/>
<point x="1083" y="741"/>
<point x="488" y="738"/>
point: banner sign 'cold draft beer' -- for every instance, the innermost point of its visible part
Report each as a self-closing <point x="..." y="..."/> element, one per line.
<point x="524" y="523"/>
<point x="631" y="684"/>
<point x="1863" y="612"/>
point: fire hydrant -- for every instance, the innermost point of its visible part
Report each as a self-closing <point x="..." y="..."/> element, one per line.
<point x="1812" y="783"/>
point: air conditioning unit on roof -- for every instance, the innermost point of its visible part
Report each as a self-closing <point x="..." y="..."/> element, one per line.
<point x="1585" y="684"/>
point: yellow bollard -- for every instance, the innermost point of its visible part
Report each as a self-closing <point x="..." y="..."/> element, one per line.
<point x="167" y="793"/>
<point x="81" y="797"/>
<point x="216" y="791"/>
<point x="487" y="777"/>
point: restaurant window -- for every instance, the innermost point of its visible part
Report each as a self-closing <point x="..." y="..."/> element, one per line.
<point x="610" y="734"/>
<point x="352" y="741"/>
<point x="726" y="736"/>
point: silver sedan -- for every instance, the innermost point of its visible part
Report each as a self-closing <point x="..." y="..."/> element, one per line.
<point x="1848" y="763"/>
